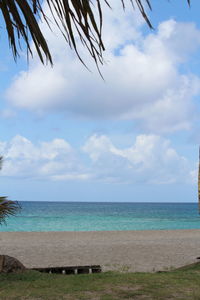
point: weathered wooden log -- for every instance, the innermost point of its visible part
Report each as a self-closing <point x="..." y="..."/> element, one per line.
<point x="10" y="264"/>
<point x="70" y="269"/>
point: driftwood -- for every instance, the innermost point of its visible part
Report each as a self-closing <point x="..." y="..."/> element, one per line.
<point x="10" y="264"/>
<point x="69" y="270"/>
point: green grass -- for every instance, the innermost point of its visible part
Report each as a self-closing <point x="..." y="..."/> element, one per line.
<point x="31" y="285"/>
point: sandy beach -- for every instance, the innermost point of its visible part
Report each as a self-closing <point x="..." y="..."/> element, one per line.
<point x="113" y="250"/>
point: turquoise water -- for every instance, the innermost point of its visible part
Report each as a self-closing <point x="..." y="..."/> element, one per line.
<point x="79" y="216"/>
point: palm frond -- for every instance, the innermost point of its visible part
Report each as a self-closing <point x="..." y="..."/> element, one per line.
<point x="1" y="160"/>
<point x="21" y="19"/>
<point x="7" y="208"/>
<point x="71" y="16"/>
<point x="199" y="182"/>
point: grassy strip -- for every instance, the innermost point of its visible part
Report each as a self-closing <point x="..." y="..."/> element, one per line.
<point x="32" y="285"/>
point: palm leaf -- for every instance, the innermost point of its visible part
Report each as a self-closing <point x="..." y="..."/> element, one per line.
<point x="1" y="160"/>
<point x="199" y="182"/>
<point x="71" y="16"/>
<point x="7" y="208"/>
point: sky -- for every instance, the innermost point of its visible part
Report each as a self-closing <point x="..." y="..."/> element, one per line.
<point x="68" y="135"/>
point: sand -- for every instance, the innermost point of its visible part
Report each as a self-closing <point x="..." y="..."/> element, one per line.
<point x="113" y="250"/>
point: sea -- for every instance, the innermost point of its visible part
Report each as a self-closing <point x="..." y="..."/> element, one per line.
<point x="96" y="216"/>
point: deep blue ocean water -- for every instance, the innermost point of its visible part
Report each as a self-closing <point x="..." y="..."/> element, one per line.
<point x="82" y="216"/>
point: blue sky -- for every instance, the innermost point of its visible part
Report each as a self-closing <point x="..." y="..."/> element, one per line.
<point x="66" y="135"/>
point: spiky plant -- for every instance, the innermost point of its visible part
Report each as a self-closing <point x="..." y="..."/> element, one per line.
<point x="22" y="22"/>
<point x="7" y="207"/>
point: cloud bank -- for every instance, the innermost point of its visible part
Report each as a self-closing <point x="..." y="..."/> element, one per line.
<point x="144" y="76"/>
<point x="151" y="159"/>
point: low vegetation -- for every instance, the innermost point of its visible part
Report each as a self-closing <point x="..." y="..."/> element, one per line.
<point x="32" y="285"/>
<point x="7" y="207"/>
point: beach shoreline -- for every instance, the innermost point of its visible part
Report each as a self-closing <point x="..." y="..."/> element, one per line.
<point x="137" y="251"/>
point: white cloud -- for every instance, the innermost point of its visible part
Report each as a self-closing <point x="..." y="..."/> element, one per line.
<point x="150" y="160"/>
<point x="143" y="78"/>
<point x="45" y="160"/>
